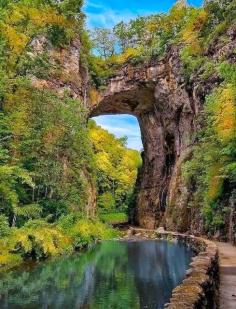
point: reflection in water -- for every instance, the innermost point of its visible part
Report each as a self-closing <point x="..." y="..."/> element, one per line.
<point x="116" y="275"/>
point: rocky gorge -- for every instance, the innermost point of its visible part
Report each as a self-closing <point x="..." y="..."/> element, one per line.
<point x="168" y="110"/>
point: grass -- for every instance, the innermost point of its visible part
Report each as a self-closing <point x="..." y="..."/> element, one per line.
<point x="114" y="218"/>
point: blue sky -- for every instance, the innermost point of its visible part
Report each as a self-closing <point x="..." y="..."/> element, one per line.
<point x="107" y="13"/>
<point x="121" y="125"/>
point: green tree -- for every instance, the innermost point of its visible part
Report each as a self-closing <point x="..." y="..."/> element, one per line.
<point x="103" y="42"/>
<point x="116" y="168"/>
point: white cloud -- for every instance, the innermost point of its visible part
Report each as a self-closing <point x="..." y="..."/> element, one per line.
<point x="130" y="131"/>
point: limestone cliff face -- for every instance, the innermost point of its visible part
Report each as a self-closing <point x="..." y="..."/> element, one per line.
<point x="167" y="109"/>
<point x="156" y="94"/>
<point x="67" y="73"/>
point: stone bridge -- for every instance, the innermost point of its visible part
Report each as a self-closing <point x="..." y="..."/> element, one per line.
<point x="166" y="111"/>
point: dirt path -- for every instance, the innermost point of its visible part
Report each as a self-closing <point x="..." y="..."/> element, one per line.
<point x="227" y="276"/>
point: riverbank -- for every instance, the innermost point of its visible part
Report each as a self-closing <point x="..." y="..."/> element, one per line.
<point x="39" y="240"/>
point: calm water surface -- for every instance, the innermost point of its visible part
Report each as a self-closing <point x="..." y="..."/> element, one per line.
<point x="117" y="275"/>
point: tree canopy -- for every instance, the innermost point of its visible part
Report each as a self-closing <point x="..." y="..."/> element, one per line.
<point x="116" y="168"/>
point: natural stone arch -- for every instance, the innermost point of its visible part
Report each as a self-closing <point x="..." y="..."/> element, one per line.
<point x="156" y="94"/>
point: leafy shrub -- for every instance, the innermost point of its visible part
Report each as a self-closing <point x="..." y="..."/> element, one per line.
<point x="57" y="35"/>
<point x="8" y="260"/>
<point x="66" y="222"/>
<point x="38" y="239"/>
<point x="38" y="66"/>
<point x="4" y="226"/>
<point x="191" y="62"/>
<point x="106" y="201"/>
<point x="84" y="231"/>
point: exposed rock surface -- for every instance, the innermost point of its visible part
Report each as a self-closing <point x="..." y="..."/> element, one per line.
<point x="156" y="94"/>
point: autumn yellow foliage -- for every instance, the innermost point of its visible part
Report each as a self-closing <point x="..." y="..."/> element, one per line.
<point x="190" y="33"/>
<point x="17" y="103"/>
<point x="129" y="53"/>
<point x="17" y="41"/>
<point x="225" y="114"/>
<point x="38" y="17"/>
<point x="94" y="96"/>
<point x="191" y="30"/>
<point x="214" y="182"/>
<point x="18" y="36"/>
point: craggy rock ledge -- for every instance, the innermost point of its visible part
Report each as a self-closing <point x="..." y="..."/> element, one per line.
<point x="200" y="288"/>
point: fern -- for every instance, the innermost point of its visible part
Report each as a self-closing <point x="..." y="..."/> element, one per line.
<point x="28" y="211"/>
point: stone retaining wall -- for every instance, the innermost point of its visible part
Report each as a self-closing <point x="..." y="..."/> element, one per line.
<point x="200" y="288"/>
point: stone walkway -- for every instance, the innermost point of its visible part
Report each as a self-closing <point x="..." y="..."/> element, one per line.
<point x="227" y="254"/>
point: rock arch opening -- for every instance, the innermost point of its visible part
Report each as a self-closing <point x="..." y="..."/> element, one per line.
<point x="156" y="96"/>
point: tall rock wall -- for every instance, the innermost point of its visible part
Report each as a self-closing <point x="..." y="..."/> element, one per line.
<point x="156" y="94"/>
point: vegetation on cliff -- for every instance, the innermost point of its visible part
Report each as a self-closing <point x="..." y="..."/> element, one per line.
<point x="212" y="170"/>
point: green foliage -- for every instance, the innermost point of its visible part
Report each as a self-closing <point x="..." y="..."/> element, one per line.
<point x="116" y="169"/>
<point x="12" y="178"/>
<point x="71" y="8"/>
<point x="48" y="139"/>
<point x="106" y="201"/>
<point x="39" y="65"/>
<point x="99" y="70"/>
<point x="104" y="42"/>
<point x="38" y="239"/>
<point x="228" y="72"/>
<point x="4" y="226"/>
<point x="46" y="158"/>
<point x="191" y="63"/>
<point x="83" y="231"/>
<point x="57" y="35"/>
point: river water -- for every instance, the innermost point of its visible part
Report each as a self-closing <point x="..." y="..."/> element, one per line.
<point x="114" y="274"/>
